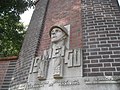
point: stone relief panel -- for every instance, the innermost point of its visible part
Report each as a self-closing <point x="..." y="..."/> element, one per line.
<point x="58" y="54"/>
<point x="57" y="60"/>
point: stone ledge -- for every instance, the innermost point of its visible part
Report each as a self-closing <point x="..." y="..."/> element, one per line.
<point x="9" y="58"/>
<point x="102" y="80"/>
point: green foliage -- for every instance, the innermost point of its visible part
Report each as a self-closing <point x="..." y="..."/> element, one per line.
<point x="11" y="29"/>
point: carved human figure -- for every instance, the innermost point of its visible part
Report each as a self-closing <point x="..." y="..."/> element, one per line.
<point x="43" y="64"/>
<point x="58" y="35"/>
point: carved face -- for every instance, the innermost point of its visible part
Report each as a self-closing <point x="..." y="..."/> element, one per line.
<point x="57" y="34"/>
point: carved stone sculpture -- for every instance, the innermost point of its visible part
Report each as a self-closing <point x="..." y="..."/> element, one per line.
<point x="58" y="36"/>
<point x="43" y="66"/>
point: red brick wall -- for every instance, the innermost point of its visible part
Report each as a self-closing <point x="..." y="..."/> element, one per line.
<point x="7" y="66"/>
<point x="101" y="31"/>
<point x="63" y="12"/>
<point x="3" y="70"/>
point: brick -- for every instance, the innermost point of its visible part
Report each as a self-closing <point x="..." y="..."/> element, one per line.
<point x="115" y="45"/>
<point x="115" y="64"/>
<point x="106" y="52"/>
<point x="96" y="74"/>
<point x="117" y="60"/>
<point x="114" y="48"/>
<point x="95" y="69"/>
<point x="85" y="74"/>
<point x="115" y="56"/>
<point x="84" y="66"/>
<point x="94" y="61"/>
<point x="108" y="74"/>
<point x="116" y="52"/>
<point x="93" y="49"/>
<point x="116" y="73"/>
<point x="103" y="42"/>
<point x="86" y="61"/>
<point x="104" y="38"/>
<point x="95" y="65"/>
<point x="94" y="57"/>
<point x="110" y="28"/>
<point x="107" y="69"/>
<point x="92" y="46"/>
<point x="93" y="53"/>
<point x="104" y="49"/>
<point x="118" y="41"/>
<point x="86" y="70"/>
<point x="93" y="36"/>
<point x="86" y="54"/>
<point x="118" y="68"/>
<point x="104" y="45"/>
<point x="106" y="60"/>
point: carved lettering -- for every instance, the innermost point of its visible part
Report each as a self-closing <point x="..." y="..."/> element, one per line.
<point x="69" y="58"/>
<point x="77" y="57"/>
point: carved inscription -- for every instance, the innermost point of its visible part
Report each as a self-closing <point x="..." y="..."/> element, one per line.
<point x="40" y="65"/>
<point x="103" y="79"/>
<point x="57" y="82"/>
<point x="71" y="58"/>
